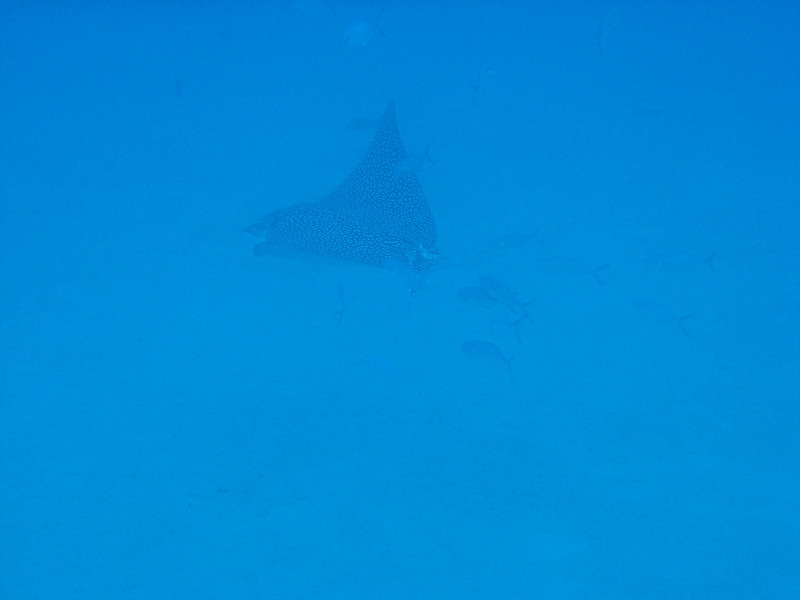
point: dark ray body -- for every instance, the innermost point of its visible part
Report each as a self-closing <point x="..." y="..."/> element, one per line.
<point x="376" y="216"/>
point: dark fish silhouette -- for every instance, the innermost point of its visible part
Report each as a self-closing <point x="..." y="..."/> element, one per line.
<point x="514" y="240"/>
<point x="361" y="33"/>
<point x="505" y="295"/>
<point x="568" y="266"/>
<point x="489" y="355"/>
<point x="477" y="296"/>
<point x="608" y="22"/>
<point x="412" y="163"/>
<point x="678" y="262"/>
<point x="375" y="216"/>
<point x="476" y="86"/>
<point x="361" y="124"/>
<point x="486" y="353"/>
<point x="659" y="313"/>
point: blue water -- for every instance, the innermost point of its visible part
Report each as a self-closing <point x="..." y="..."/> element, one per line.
<point x="182" y="419"/>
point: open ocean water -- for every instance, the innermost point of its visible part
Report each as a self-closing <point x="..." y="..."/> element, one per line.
<point x="593" y="393"/>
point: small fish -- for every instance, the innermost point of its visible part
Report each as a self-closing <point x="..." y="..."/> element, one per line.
<point x="409" y="278"/>
<point x="340" y="298"/>
<point x="514" y="240"/>
<point x="648" y="111"/>
<point x="658" y="312"/>
<point x="678" y="262"/>
<point x="313" y="8"/>
<point x="411" y="164"/>
<point x="568" y="266"/>
<point x="486" y="353"/>
<point x="361" y="124"/>
<point x="507" y="321"/>
<point x="477" y="296"/>
<point x="361" y="33"/>
<point x="256" y="230"/>
<point x="476" y="85"/>
<point x="358" y="35"/>
<point x="608" y="23"/>
<point x="505" y="295"/>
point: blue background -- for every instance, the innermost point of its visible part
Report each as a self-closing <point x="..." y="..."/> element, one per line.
<point x="181" y="419"/>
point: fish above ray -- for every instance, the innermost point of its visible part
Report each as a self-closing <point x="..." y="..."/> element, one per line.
<point x="514" y="240"/>
<point x="361" y="124"/>
<point x="503" y="293"/>
<point x="412" y="163"/>
<point x="477" y="295"/>
<point x="377" y="216"/>
<point x="361" y="33"/>
<point x="659" y="313"/>
<point x="569" y="266"/>
<point x="678" y="261"/>
<point x="487" y="354"/>
<point x="608" y="22"/>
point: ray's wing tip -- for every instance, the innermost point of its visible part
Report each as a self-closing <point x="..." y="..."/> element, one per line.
<point x="388" y="120"/>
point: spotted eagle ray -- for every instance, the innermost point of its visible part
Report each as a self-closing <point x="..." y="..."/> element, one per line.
<point x="377" y="216"/>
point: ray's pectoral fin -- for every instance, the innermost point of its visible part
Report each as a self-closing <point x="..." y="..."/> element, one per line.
<point x="373" y="217"/>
